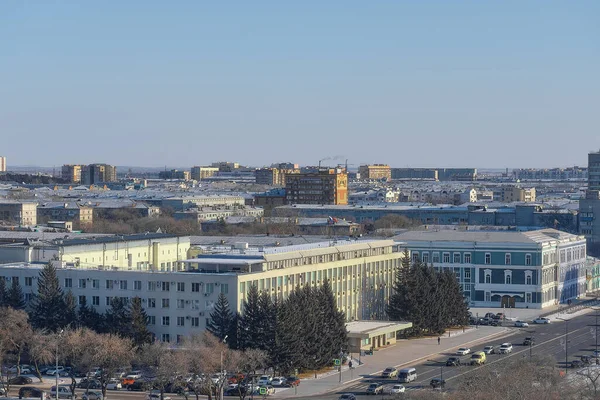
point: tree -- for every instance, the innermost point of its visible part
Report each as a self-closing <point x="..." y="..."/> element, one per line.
<point x="139" y="332"/>
<point x="3" y="292"/>
<point x="40" y="351"/>
<point x="250" y="323"/>
<point x="14" y="297"/>
<point x="14" y="333"/>
<point x="70" y="312"/>
<point x="88" y="317"/>
<point x="163" y="364"/>
<point x="221" y="319"/>
<point x="48" y="307"/>
<point x="332" y="325"/>
<point x="117" y="317"/>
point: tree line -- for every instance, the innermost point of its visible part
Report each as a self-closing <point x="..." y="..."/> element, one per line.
<point x="306" y="331"/>
<point x="432" y="300"/>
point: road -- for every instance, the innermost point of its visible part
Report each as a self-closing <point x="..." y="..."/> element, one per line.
<point x="549" y="340"/>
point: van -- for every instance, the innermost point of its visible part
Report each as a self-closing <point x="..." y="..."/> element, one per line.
<point x="478" y="358"/>
<point x="407" y="375"/>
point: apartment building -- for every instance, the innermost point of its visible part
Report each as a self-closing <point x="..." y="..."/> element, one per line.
<point x="94" y="174"/>
<point x="18" y="212"/>
<point x="2" y="164"/>
<point x="80" y="215"/>
<point x="184" y="203"/>
<point x="375" y="172"/>
<point x="198" y="173"/>
<point x="509" y="194"/>
<point x="269" y="176"/>
<point x="325" y="186"/>
<point x="175" y="174"/>
<point x="589" y="207"/>
<point x="534" y="269"/>
<point x="71" y="173"/>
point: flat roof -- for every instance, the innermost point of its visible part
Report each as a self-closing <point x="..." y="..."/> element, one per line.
<point x="117" y="238"/>
<point x="367" y="329"/>
<point x="531" y="237"/>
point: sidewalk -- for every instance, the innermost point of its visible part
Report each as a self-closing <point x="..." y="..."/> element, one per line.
<point x="403" y="354"/>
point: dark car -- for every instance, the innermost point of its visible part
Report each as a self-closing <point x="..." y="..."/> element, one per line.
<point x="89" y="384"/>
<point x="586" y="360"/>
<point x="31" y="392"/>
<point x="292" y="381"/>
<point x="437" y="383"/>
<point x="453" y="362"/>
<point x="375" y="388"/>
<point x="236" y="391"/>
<point x="139" y="386"/>
<point x="529" y="341"/>
<point x="496" y="322"/>
<point x="576" y="364"/>
<point x="20" y="380"/>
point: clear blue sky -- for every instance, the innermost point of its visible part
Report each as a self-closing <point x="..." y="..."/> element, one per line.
<point x="409" y="83"/>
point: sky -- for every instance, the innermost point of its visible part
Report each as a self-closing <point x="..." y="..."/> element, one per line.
<point x="408" y="83"/>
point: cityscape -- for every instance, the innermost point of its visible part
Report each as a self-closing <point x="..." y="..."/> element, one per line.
<point x="289" y="236"/>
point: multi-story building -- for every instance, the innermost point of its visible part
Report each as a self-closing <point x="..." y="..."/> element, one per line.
<point x="179" y="301"/>
<point x="71" y="173"/>
<point x="375" y="172"/>
<point x="571" y="173"/>
<point x="18" y="212"/>
<point x="175" y="174"/>
<point x="269" y="176"/>
<point x="534" y="269"/>
<point x="442" y="174"/>
<point x="429" y="174"/>
<point x="184" y="203"/>
<point x="226" y="166"/>
<point x="2" y="164"/>
<point x="589" y="207"/>
<point x="325" y="186"/>
<point x="509" y="194"/>
<point x="198" y="173"/>
<point x="81" y="215"/>
<point x="94" y="174"/>
<point x="214" y="213"/>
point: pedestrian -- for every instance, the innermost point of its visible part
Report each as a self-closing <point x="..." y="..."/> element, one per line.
<point x="439" y="340"/>
<point x="350" y="364"/>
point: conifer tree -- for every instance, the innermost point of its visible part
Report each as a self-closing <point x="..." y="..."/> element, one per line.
<point x="70" y="311"/>
<point x="48" y="306"/>
<point x="3" y="292"/>
<point x="117" y="318"/>
<point x="14" y="297"/>
<point x="221" y="319"/>
<point x="333" y="323"/>
<point x="249" y="329"/>
<point x="139" y="323"/>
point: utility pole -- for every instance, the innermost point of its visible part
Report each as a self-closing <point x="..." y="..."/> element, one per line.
<point x="566" y="344"/>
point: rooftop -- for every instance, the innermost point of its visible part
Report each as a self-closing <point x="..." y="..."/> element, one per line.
<point x="116" y="238"/>
<point x="530" y="237"/>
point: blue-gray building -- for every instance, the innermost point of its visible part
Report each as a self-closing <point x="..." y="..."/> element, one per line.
<point x="532" y="269"/>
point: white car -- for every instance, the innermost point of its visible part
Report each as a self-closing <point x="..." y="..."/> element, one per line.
<point x="521" y="324"/>
<point x="264" y="380"/>
<point x="114" y="384"/>
<point x="489" y="349"/>
<point x="505" y="348"/>
<point x="541" y="320"/>
<point x="463" y="351"/>
<point x="134" y="375"/>
<point x="278" y="381"/>
<point x="397" y="389"/>
<point x="54" y="371"/>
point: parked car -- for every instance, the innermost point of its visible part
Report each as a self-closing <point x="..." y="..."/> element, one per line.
<point x="264" y="380"/>
<point x="292" y="381"/>
<point x="505" y="348"/>
<point x="139" y="386"/>
<point x="25" y="369"/>
<point x="397" y="389"/>
<point x="134" y="374"/>
<point x="55" y="370"/>
<point x="437" y="383"/>
<point x="389" y="372"/>
<point x="155" y="395"/>
<point x="347" y="396"/>
<point x="576" y="364"/>
<point x="114" y="384"/>
<point x="20" y="380"/>
<point x="500" y="315"/>
<point x="586" y="360"/>
<point x="93" y="395"/>
<point x="529" y="341"/>
<point x="86" y="383"/>
<point x="453" y="362"/>
<point x="541" y="320"/>
<point x="489" y="315"/>
<point x="489" y="350"/>
<point x="278" y="381"/>
<point x="64" y="392"/>
<point x="521" y="324"/>
<point x="496" y="322"/>
<point x="463" y="351"/>
<point x="375" y="388"/>
<point x="32" y="392"/>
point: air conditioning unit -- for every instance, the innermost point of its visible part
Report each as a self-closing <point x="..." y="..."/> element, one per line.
<point x="187" y="302"/>
<point x="201" y="313"/>
<point x="143" y="300"/>
<point x="205" y="294"/>
<point x="217" y="283"/>
<point x="201" y="283"/>
<point x="158" y="282"/>
<point x="188" y="317"/>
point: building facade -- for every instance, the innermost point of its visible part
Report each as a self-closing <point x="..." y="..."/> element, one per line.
<point x="18" y="212"/>
<point x="2" y="164"/>
<point x="534" y="269"/>
<point x="184" y="203"/>
<point x="375" y="172"/>
<point x="325" y="186"/>
<point x="589" y="207"/>
<point x="269" y="176"/>
<point x="80" y="215"/>
<point x="198" y="173"/>
<point x="94" y="174"/>
<point x="175" y="174"/>
<point x="71" y="173"/>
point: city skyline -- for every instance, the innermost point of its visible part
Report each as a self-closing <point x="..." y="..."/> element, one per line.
<point x="407" y="84"/>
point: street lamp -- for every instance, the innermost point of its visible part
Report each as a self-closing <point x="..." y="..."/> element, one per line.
<point x="596" y="330"/>
<point x="566" y="344"/>
<point x="222" y="371"/>
<point x="56" y="371"/>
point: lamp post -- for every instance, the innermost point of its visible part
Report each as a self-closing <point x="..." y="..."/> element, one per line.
<point x="222" y="371"/>
<point x="596" y="330"/>
<point x="566" y="344"/>
<point x="56" y="370"/>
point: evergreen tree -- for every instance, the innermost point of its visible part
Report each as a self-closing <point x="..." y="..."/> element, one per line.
<point x="3" y="292"/>
<point x="221" y="318"/>
<point x="268" y="321"/>
<point x="286" y="353"/>
<point x="333" y="324"/>
<point x="139" y="323"/>
<point x="249" y="327"/>
<point x="48" y="306"/>
<point x="117" y="318"/>
<point x="70" y="312"/>
<point x="83" y="314"/>
<point x="14" y="297"/>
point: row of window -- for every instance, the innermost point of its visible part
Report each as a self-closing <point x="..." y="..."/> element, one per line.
<point x="164" y="286"/>
<point x="464" y="258"/>
<point x="508" y="277"/>
<point x="194" y="322"/>
<point x="328" y="258"/>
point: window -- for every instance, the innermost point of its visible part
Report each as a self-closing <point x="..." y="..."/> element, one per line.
<point x="151" y="303"/>
<point x="527" y="297"/>
<point x="415" y="257"/>
<point x="210" y="288"/>
<point x="28" y="281"/>
<point x="82" y="300"/>
<point x="507" y="276"/>
<point x="195" y="287"/>
<point x="527" y="259"/>
<point x="165" y="286"/>
<point x="467" y="274"/>
<point x="456" y="258"/>
<point x="181" y="286"/>
<point x="95" y="283"/>
<point x="108" y="300"/>
<point x="507" y="259"/>
<point x="95" y="300"/>
<point x="180" y="303"/>
<point x="488" y="275"/>
<point x="488" y="258"/>
<point x="68" y="282"/>
<point x="166" y="321"/>
<point x="165" y="303"/>
<point x="123" y="285"/>
<point x="488" y="296"/>
<point x="467" y="258"/>
<point x="151" y="286"/>
<point x="435" y="257"/>
<point x="225" y="287"/>
<point x="109" y="284"/>
<point x="425" y="257"/>
<point x="166" y="337"/>
<point x="528" y="280"/>
<point x="180" y="321"/>
<point x="446" y="258"/>
<point x="195" y="322"/>
<point x="151" y="320"/>
<point x="137" y="285"/>
<point x="82" y="283"/>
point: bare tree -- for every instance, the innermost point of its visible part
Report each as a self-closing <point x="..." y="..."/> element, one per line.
<point x="166" y="365"/>
<point x="14" y="333"/>
<point x="40" y="350"/>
